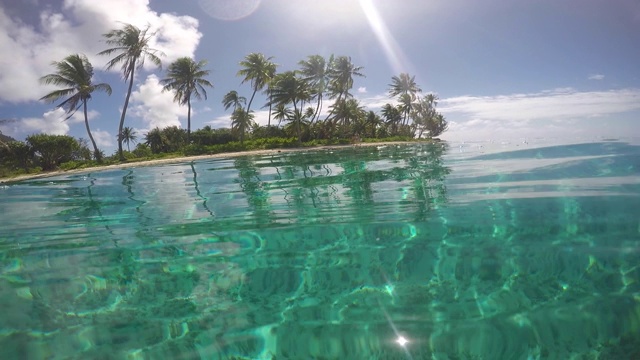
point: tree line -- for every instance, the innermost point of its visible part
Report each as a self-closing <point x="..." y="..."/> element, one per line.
<point x="295" y="100"/>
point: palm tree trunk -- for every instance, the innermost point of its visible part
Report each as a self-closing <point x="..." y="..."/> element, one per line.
<point x="269" y="121"/>
<point x="96" y="152"/>
<point x="318" y="109"/>
<point x="188" y="120"/>
<point x="297" y="117"/>
<point x="251" y="100"/>
<point x="124" y="110"/>
<point x="331" y="111"/>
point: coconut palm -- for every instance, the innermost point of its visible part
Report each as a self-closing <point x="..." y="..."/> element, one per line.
<point x="288" y="88"/>
<point x="342" y="73"/>
<point x="241" y="121"/>
<point x="392" y="116"/>
<point x="347" y="111"/>
<point x="371" y="123"/>
<point x="282" y="112"/>
<point x="128" y="135"/>
<point x="74" y="75"/>
<point x="426" y="118"/>
<point x="185" y="78"/>
<point x="233" y="99"/>
<point x="316" y="71"/>
<point x="155" y="139"/>
<point x="404" y="86"/>
<point x="131" y="45"/>
<point x="258" y="70"/>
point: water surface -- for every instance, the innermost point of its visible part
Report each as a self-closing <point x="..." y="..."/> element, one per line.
<point x="461" y="251"/>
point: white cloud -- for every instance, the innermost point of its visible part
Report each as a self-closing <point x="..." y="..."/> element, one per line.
<point x="556" y="104"/>
<point x="362" y="90"/>
<point x="560" y="112"/>
<point x="596" y="77"/>
<point x="79" y="29"/>
<point x="52" y="122"/>
<point x="154" y="107"/>
<point x="103" y="138"/>
<point x="78" y="116"/>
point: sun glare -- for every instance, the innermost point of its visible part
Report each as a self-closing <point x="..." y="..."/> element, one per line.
<point x="393" y="52"/>
<point x="229" y="10"/>
<point x="402" y="341"/>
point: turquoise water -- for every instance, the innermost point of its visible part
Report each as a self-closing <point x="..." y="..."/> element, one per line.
<point x="432" y="251"/>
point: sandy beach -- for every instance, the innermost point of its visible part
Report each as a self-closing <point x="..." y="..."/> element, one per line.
<point x="191" y="158"/>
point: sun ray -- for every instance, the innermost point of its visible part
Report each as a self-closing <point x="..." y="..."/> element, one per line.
<point x="394" y="53"/>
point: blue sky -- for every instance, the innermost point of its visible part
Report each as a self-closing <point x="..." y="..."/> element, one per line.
<point x="503" y="69"/>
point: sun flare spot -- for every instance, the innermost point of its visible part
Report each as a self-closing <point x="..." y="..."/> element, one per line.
<point x="402" y="341"/>
<point x="229" y="10"/>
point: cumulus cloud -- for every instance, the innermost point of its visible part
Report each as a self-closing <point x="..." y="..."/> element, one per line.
<point x="77" y="28"/>
<point x="103" y="138"/>
<point x="78" y="116"/>
<point x="596" y="77"/>
<point x="55" y="122"/>
<point x="52" y="122"/>
<point x="362" y="90"/>
<point x="538" y="114"/>
<point x="155" y="107"/>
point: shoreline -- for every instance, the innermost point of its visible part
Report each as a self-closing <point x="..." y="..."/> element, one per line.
<point x="11" y="180"/>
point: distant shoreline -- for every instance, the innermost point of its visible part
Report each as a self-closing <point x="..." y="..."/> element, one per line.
<point x="10" y="180"/>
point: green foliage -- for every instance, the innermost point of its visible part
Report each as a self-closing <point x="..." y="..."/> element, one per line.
<point x="77" y="164"/>
<point x="167" y="140"/>
<point x="263" y="132"/>
<point x="16" y="155"/>
<point x="142" y="150"/>
<point x="208" y="136"/>
<point x="53" y="150"/>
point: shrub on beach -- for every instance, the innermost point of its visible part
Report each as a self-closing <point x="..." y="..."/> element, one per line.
<point x="52" y="150"/>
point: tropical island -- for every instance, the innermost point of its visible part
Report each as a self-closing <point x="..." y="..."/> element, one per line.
<point x="295" y="100"/>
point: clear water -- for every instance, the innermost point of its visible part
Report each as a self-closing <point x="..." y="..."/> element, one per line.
<point x="395" y="252"/>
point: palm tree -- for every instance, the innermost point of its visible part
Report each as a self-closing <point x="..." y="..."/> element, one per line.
<point x="258" y="70"/>
<point x="371" y="123"/>
<point x="405" y="86"/>
<point x="233" y="99"/>
<point x="289" y="88"/>
<point x="132" y="48"/>
<point x="341" y="78"/>
<point x="426" y="118"/>
<point x="348" y="111"/>
<point x="316" y="71"/>
<point x="342" y="73"/>
<point x="74" y="74"/>
<point x="241" y="121"/>
<point x="155" y="139"/>
<point x="282" y="112"/>
<point x="129" y="135"/>
<point x="392" y="116"/>
<point x="185" y="78"/>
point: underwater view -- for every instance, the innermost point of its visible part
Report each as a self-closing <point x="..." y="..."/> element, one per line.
<point x="421" y="251"/>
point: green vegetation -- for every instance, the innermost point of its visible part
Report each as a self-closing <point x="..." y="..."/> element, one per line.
<point x="295" y="99"/>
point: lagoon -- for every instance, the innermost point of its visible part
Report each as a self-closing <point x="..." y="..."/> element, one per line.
<point x="419" y="251"/>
